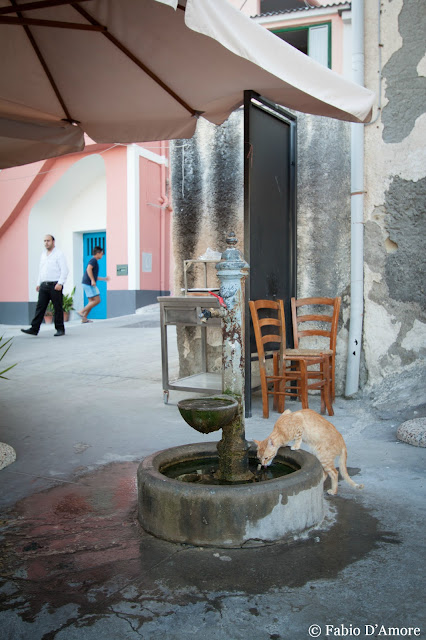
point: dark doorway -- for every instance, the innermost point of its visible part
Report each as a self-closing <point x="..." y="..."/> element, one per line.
<point x="269" y="211"/>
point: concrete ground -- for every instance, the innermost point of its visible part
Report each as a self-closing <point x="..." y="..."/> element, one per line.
<point x="83" y="410"/>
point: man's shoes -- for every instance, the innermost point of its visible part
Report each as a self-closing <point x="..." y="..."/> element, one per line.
<point x="59" y="333"/>
<point x="30" y="332"/>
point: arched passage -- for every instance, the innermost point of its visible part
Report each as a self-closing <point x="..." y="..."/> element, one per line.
<point x="75" y="204"/>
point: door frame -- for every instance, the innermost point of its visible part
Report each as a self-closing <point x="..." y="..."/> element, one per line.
<point x="251" y="98"/>
<point x="100" y="312"/>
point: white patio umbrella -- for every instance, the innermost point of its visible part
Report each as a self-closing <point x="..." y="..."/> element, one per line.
<point x="138" y="70"/>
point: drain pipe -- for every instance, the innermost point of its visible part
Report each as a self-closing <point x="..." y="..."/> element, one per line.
<point x="357" y="211"/>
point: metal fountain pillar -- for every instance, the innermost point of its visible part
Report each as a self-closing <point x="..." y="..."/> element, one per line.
<point x="232" y="271"/>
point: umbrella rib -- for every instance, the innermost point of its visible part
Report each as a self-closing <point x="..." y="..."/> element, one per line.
<point x="50" y="23"/>
<point x="136" y="60"/>
<point x="44" y="65"/>
<point x="42" y="4"/>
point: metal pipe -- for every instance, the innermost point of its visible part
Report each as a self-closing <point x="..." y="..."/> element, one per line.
<point x="357" y="211"/>
<point x="379" y="55"/>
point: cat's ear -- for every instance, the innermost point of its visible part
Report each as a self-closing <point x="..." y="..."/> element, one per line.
<point x="256" y="441"/>
<point x="286" y="412"/>
<point x="270" y="442"/>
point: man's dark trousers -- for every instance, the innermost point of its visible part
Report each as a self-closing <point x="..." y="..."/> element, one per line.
<point x="46" y="293"/>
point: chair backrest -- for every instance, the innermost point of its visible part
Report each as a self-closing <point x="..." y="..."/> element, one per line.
<point x="321" y="319"/>
<point x="269" y="325"/>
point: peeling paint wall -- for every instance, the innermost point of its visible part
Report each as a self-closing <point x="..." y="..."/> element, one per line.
<point x="395" y="182"/>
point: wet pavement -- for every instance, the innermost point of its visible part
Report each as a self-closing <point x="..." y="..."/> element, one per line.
<point x="82" y="412"/>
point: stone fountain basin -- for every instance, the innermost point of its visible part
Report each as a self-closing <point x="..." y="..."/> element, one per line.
<point x="228" y="515"/>
<point x="208" y="414"/>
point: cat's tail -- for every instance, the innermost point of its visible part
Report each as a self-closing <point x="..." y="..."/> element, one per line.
<point x="344" y="472"/>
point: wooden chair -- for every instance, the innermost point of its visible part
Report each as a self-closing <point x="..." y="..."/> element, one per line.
<point x="321" y="320"/>
<point x="291" y="371"/>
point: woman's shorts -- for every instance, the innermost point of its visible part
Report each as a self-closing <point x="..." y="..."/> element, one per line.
<point x="90" y="291"/>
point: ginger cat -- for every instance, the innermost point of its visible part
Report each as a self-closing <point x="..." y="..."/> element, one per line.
<point x="315" y="431"/>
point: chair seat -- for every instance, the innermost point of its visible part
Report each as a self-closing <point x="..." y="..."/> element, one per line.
<point x="308" y="352"/>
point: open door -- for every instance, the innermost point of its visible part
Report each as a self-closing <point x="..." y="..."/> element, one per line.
<point x="269" y="212"/>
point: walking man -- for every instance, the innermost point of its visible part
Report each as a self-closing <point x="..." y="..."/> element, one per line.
<point x="52" y="273"/>
<point x="90" y="277"/>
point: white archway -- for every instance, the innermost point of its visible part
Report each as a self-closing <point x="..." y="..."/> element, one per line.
<point x="75" y="204"/>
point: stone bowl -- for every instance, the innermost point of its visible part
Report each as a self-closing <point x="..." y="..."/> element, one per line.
<point x="249" y="514"/>
<point x="208" y="414"/>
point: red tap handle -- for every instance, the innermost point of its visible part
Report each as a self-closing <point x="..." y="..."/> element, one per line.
<point x="221" y="301"/>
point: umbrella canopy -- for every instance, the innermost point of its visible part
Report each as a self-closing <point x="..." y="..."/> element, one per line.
<point x="139" y="70"/>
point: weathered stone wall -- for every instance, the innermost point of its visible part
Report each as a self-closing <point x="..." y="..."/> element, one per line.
<point x="207" y="191"/>
<point x="207" y="188"/>
<point x="207" y="195"/>
<point x="323" y="219"/>
<point x="395" y="168"/>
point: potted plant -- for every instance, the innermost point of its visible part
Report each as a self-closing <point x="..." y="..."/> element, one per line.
<point x="67" y="306"/>
<point x="48" y="314"/>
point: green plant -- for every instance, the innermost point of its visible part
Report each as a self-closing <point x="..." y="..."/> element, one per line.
<point x="3" y="351"/>
<point x="67" y="304"/>
<point x="50" y="310"/>
<point x="68" y="301"/>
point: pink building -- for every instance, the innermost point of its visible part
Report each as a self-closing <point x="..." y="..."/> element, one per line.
<point x="319" y="28"/>
<point x="117" y="194"/>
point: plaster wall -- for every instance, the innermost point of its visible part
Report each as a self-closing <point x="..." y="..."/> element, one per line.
<point x="207" y="196"/>
<point x="395" y="181"/>
<point x="16" y="184"/>
<point x="23" y="190"/>
<point x="207" y="191"/>
<point x="148" y="220"/>
<point x="323" y="219"/>
<point x="74" y="205"/>
<point x="79" y="193"/>
<point x="116" y="218"/>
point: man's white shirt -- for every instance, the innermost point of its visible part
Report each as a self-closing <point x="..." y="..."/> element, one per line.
<point x="53" y="267"/>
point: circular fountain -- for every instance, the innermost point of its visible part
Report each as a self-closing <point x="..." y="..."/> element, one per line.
<point x="226" y="515"/>
<point x="213" y="494"/>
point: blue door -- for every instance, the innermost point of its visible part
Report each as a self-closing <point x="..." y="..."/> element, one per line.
<point x="91" y="240"/>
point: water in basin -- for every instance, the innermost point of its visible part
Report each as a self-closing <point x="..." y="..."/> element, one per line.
<point x="203" y="471"/>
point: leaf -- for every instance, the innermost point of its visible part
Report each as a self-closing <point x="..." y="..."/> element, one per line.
<point x="3" y="345"/>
